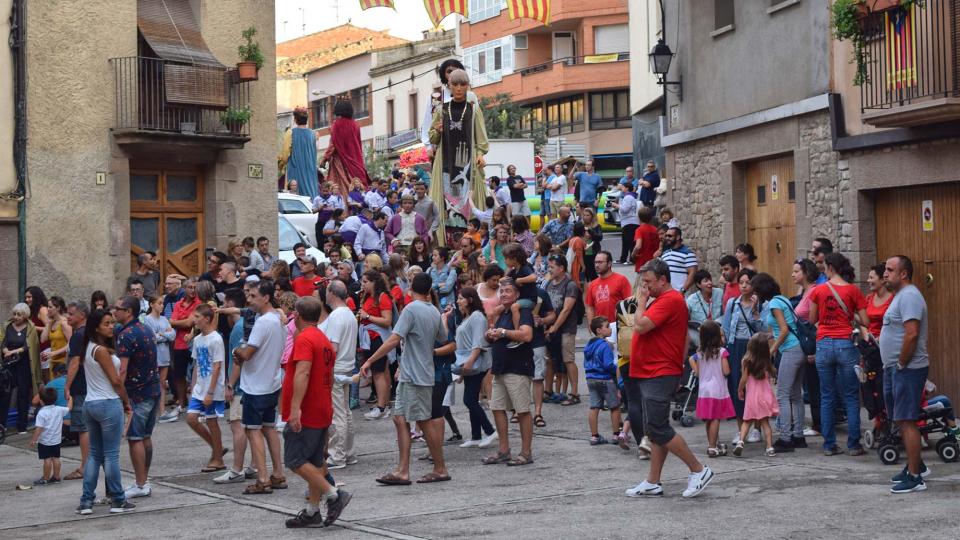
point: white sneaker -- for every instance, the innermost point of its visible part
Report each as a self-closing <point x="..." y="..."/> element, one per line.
<point x="642" y="456"/>
<point x="489" y="440"/>
<point x="644" y="445"/>
<point x="753" y="436"/>
<point x="470" y="443"/>
<point x="645" y="489"/>
<point x="736" y="439"/>
<point x="171" y="416"/>
<point x="810" y="432"/>
<point x="333" y="465"/>
<point x="373" y="413"/>
<point x="352" y="460"/>
<point x="135" y="491"/>
<point x="229" y="477"/>
<point x="698" y="482"/>
<point x="250" y="473"/>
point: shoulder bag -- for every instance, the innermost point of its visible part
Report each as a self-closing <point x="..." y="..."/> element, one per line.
<point x="806" y="333"/>
<point x="843" y="307"/>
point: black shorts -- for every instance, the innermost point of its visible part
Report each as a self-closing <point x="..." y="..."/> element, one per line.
<point x="309" y="445"/>
<point x="436" y="400"/>
<point x="380" y="365"/>
<point x="181" y="361"/>
<point x="555" y="351"/>
<point x="46" y="452"/>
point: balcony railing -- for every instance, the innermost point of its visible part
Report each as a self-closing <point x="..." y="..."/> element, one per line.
<point x="388" y="143"/>
<point x="156" y="95"/>
<point x="575" y="60"/>
<point x="912" y="56"/>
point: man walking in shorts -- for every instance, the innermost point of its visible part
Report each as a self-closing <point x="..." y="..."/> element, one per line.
<point x="657" y="351"/>
<point x="307" y="409"/>
<point x="419" y="326"/>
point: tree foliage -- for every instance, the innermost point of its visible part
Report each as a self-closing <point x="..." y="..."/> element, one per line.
<point x="502" y="117"/>
<point x="377" y="164"/>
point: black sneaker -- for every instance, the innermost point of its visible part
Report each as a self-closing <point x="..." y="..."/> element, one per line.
<point x="85" y="509"/>
<point x="782" y="446"/>
<point x="909" y="484"/>
<point x="121" y="507"/>
<point x="924" y="472"/>
<point x="798" y="442"/>
<point x="455" y="437"/>
<point x="306" y="521"/>
<point x="335" y="508"/>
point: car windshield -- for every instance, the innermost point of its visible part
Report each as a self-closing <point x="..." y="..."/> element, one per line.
<point x="292" y="206"/>
<point x="288" y="236"/>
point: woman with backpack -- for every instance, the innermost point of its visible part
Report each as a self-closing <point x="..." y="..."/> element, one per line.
<point x="834" y="306"/>
<point x="782" y="321"/>
<point x="805" y="274"/>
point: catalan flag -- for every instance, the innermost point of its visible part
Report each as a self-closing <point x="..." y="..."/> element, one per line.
<point x="530" y="9"/>
<point x="438" y="9"/>
<point x="367" y="4"/>
<point x="901" y="48"/>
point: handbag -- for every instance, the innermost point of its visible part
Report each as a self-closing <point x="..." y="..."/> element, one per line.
<point x="806" y="333"/>
<point x="746" y="320"/>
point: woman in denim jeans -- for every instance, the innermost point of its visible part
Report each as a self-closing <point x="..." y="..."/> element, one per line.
<point x="741" y="319"/>
<point x="103" y="412"/>
<point x="836" y="352"/>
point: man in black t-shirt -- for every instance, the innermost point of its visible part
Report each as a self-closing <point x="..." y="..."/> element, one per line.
<point x="76" y="385"/>
<point x="518" y="197"/>
<point x="543" y="316"/>
<point x="513" y="370"/>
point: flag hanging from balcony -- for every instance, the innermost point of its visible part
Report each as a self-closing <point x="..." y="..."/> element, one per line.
<point x="530" y="9"/>
<point x="901" y="48"/>
<point x="367" y="4"/>
<point x="438" y="9"/>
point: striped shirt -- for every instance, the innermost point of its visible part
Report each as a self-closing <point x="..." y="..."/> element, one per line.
<point x="679" y="260"/>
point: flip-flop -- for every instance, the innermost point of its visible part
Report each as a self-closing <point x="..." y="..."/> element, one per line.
<point x="391" y="480"/>
<point x="539" y="421"/>
<point x="496" y="459"/>
<point x="212" y="469"/>
<point x="520" y="460"/>
<point x="433" y="477"/>
<point x="75" y="475"/>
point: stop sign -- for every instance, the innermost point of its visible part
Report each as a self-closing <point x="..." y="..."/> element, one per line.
<point x="537" y="164"/>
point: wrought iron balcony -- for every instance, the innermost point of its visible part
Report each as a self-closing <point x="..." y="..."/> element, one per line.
<point x="154" y="96"/>
<point x="913" y="70"/>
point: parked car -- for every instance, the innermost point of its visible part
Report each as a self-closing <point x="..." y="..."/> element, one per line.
<point x="290" y="236"/>
<point x="299" y="210"/>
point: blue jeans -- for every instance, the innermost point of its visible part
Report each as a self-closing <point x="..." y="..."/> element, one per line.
<point x="835" y="361"/>
<point x="104" y="419"/>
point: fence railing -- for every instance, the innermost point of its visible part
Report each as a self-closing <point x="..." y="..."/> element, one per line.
<point x="575" y="60"/>
<point x="912" y="55"/>
<point x="153" y="94"/>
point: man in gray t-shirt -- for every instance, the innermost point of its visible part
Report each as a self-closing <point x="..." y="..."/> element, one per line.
<point x="903" y="348"/>
<point x="419" y="325"/>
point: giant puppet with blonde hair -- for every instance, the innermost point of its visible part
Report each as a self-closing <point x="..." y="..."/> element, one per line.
<point x="459" y="136"/>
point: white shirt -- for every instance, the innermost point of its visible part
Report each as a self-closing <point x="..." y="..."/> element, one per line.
<point x="98" y="385"/>
<point x="560" y="183"/>
<point x="370" y="239"/>
<point x="260" y="375"/>
<point x="207" y="351"/>
<point x="351" y="224"/>
<point x="341" y="329"/>
<point x="503" y="196"/>
<point x="50" y="418"/>
<point x="333" y="201"/>
<point x="374" y="200"/>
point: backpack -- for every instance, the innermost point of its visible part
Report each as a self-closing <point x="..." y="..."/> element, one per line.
<point x="806" y="332"/>
<point x="626" y="310"/>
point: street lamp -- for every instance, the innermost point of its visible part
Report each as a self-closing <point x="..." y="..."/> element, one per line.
<point x="660" y="58"/>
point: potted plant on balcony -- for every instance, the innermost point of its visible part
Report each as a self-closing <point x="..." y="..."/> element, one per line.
<point x="251" y="57"/>
<point x="847" y="20"/>
<point x="235" y="118"/>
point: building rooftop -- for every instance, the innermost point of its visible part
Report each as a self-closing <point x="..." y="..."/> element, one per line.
<point x="314" y="51"/>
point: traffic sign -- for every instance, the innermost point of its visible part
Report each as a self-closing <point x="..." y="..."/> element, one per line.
<point x="537" y="164"/>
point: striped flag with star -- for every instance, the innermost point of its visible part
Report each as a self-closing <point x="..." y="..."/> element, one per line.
<point x="438" y="9"/>
<point x="367" y="4"/>
<point x="530" y="9"/>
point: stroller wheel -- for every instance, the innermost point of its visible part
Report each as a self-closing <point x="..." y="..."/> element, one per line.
<point x="889" y="454"/>
<point x="687" y="421"/>
<point x="676" y="415"/>
<point x="869" y="440"/>
<point x="948" y="450"/>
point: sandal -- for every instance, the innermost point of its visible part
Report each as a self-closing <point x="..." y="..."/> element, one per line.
<point x="75" y="475"/>
<point x="539" y="421"/>
<point x="572" y="399"/>
<point x="498" y="458"/>
<point x="258" y="488"/>
<point x="278" y="482"/>
<point x="514" y="419"/>
<point x="393" y="480"/>
<point x="433" y="477"/>
<point x="520" y="460"/>
<point x="712" y="452"/>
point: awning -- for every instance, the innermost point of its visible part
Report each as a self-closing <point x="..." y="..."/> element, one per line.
<point x="171" y="30"/>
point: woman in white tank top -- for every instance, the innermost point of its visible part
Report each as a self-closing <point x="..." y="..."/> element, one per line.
<point x="103" y="413"/>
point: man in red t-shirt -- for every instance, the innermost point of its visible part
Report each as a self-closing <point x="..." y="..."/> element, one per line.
<point x="307" y="408"/>
<point x="729" y="268"/>
<point x="182" y="321"/>
<point x="605" y="292"/>
<point x="646" y="239"/>
<point x="307" y="282"/>
<point x="656" y="364"/>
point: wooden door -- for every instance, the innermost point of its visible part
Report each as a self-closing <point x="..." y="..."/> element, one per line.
<point x="936" y="263"/>
<point x="771" y="217"/>
<point x="166" y="217"/>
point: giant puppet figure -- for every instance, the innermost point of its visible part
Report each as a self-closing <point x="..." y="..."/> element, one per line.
<point x="345" y="153"/>
<point x="459" y="137"/>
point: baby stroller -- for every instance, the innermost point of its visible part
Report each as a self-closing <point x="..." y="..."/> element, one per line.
<point x="871" y="394"/>
<point x="933" y="420"/>
<point x="685" y="402"/>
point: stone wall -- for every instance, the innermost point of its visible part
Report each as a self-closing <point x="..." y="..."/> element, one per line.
<point x="827" y="183"/>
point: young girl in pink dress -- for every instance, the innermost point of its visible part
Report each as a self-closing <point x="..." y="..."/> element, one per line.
<point x="755" y="384"/>
<point x="711" y="366"/>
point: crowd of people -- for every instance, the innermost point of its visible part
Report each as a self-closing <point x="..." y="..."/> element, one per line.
<point x="408" y="310"/>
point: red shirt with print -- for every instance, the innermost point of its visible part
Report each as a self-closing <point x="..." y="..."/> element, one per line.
<point x="604" y="293"/>
<point x="183" y="310"/>
<point x="316" y="409"/>
<point x="660" y="352"/>
<point x="649" y="241"/>
<point x="832" y="321"/>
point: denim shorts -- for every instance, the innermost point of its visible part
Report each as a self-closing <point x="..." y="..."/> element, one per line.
<point x="260" y="410"/>
<point x="902" y="391"/>
<point x="143" y="419"/>
<point x="603" y="393"/>
<point x="215" y="410"/>
<point x="77" y="425"/>
<point x="539" y="363"/>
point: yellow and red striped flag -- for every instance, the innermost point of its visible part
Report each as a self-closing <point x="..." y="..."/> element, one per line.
<point x="438" y="9"/>
<point x="530" y="9"/>
<point x="901" y="48"/>
<point x="367" y="4"/>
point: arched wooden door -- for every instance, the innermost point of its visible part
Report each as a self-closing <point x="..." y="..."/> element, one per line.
<point x="166" y="217"/>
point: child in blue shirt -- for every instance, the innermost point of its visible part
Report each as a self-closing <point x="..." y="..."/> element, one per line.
<point x="600" y="368"/>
